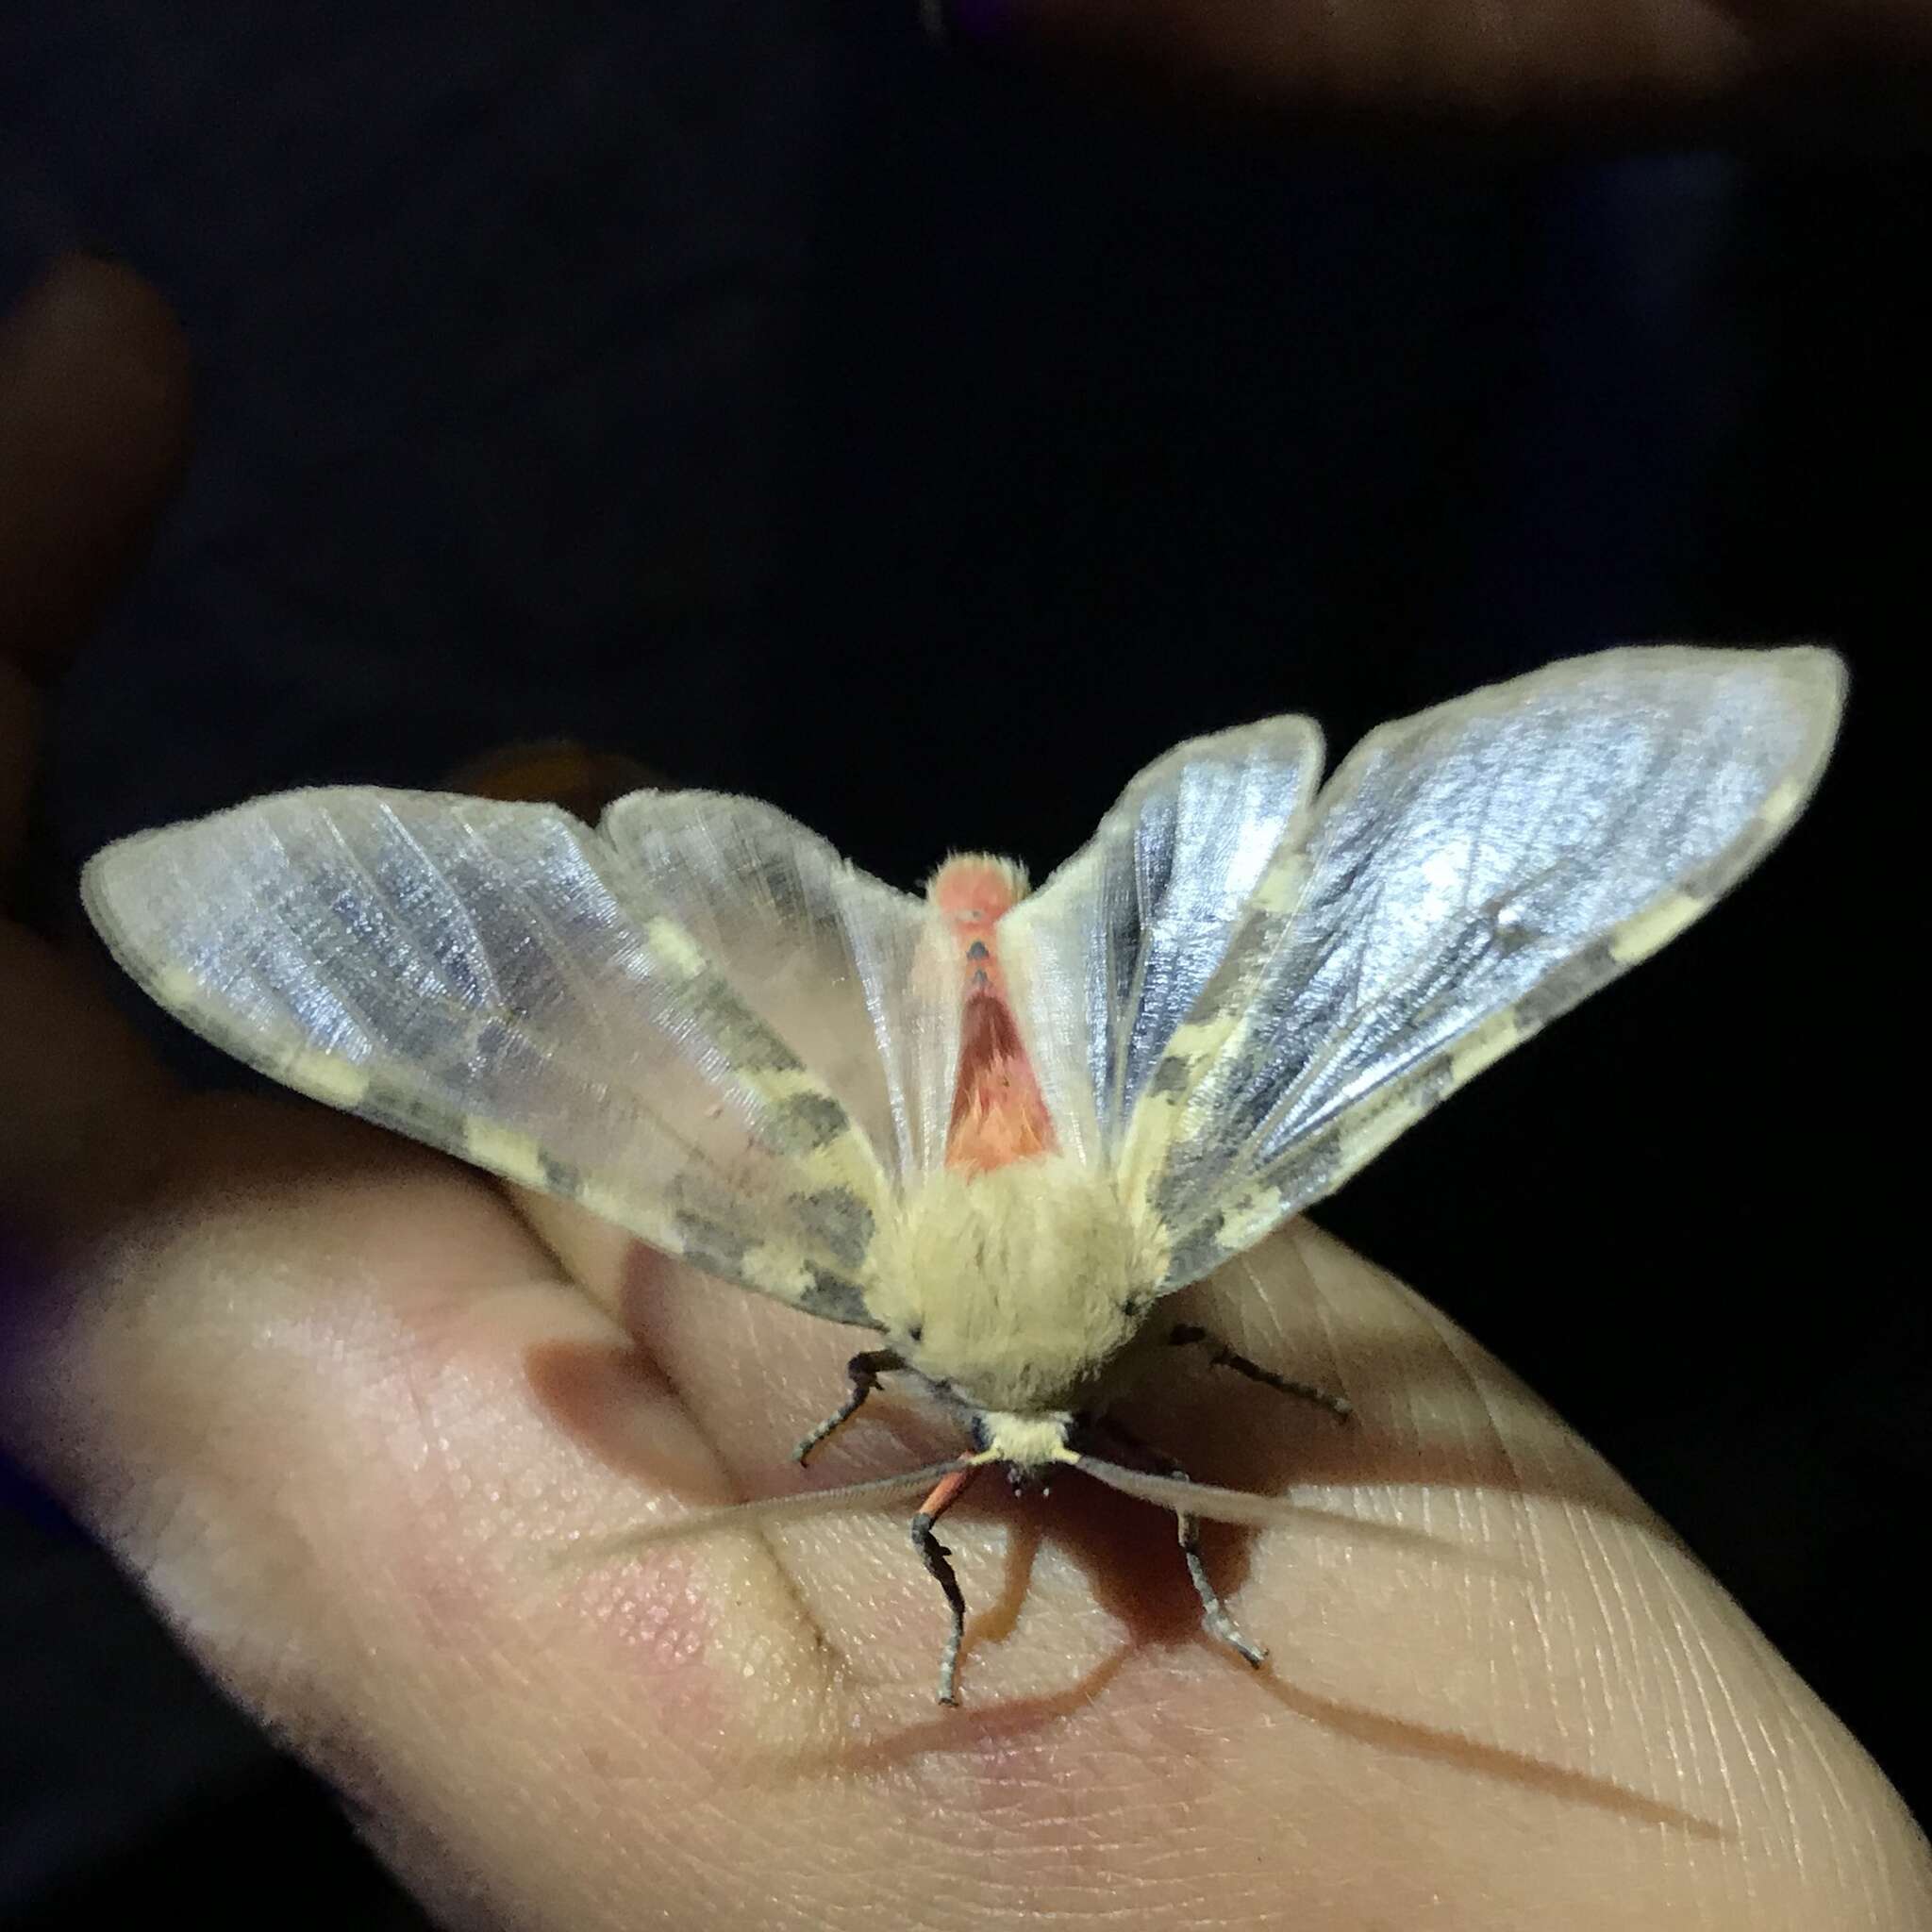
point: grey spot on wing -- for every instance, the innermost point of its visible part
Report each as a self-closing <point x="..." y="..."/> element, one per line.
<point x="709" y="1241"/>
<point x="1171" y="1187"/>
<point x="745" y="1041"/>
<point x="559" y="1176"/>
<point x="1172" y="1075"/>
<point x="804" y="1125"/>
<point x="832" y="1298"/>
<point x="839" y="1219"/>
<point x="1431" y="1083"/>
<point x="1199" y="1255"/>
<point x="440" y="1125"/>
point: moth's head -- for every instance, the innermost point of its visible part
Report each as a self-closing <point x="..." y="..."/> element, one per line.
<point x="1014" y="1288"/>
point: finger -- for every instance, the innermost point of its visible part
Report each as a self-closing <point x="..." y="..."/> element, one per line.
<point x="555" y="771"/>
<point x="94" y="413"/>
<point x="93" y="410"/>
<point x="1661" y="65"/>
<point x="94" y="427"/>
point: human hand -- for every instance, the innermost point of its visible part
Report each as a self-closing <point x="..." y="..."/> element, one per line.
<point x="337" y="1402"/>
<point x="1676" y="69"/>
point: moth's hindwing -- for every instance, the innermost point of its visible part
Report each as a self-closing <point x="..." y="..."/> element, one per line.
<point x="835" y="960"/>
<point x="1113" y="954"/>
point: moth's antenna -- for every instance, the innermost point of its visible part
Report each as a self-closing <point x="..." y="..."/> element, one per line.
<point x="878" y="1488"/>
<point x="1186" y="1498"/>
<point x="1268" y="1512"/>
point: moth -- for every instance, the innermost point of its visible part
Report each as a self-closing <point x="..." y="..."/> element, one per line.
<point x="998" y="1128"/>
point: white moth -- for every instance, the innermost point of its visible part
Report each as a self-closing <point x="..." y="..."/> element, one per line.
<point x="996" y="1129"/>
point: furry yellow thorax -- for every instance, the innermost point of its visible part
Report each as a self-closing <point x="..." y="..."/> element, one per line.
<point x="1014" y="1288"/>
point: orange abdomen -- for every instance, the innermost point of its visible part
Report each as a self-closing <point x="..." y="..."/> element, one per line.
<point x="998" y="1114"/>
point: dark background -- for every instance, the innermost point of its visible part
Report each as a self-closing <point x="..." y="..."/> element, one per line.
<point x="759" y="392"/>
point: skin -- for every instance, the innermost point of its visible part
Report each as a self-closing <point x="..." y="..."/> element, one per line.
<point x="336" y="1402"/>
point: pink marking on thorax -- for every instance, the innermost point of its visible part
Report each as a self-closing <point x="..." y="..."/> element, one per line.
<point x="998" y="1113"/>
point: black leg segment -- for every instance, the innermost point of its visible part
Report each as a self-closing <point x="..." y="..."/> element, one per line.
<point x="865" y="1370"/>
<point x="933" y="1554"/>
<point x="1214" y="1612"/>
<point x="1187" y="1336"/>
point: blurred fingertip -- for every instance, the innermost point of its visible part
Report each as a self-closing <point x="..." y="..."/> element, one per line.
<point x="93" y="293"/>
<point x="123" y="310"/>
<point x="95" y="402"/>
<point x="556" y="772"/>
<point x="108" y="356"/>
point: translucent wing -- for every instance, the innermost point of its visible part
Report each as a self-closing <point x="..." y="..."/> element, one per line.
<point x="497" y="980"/>
<point x="1467" y="875"/>
<point x="1109" y="957"/>
<point x="845" y="967"/>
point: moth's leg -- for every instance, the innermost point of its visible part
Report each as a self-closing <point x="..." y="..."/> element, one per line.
<point x="1187" y="1336"/>
<point x="933" y="1553"/>
<point x="1214" y="1612"/>
<point x="865" y="1370"/>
